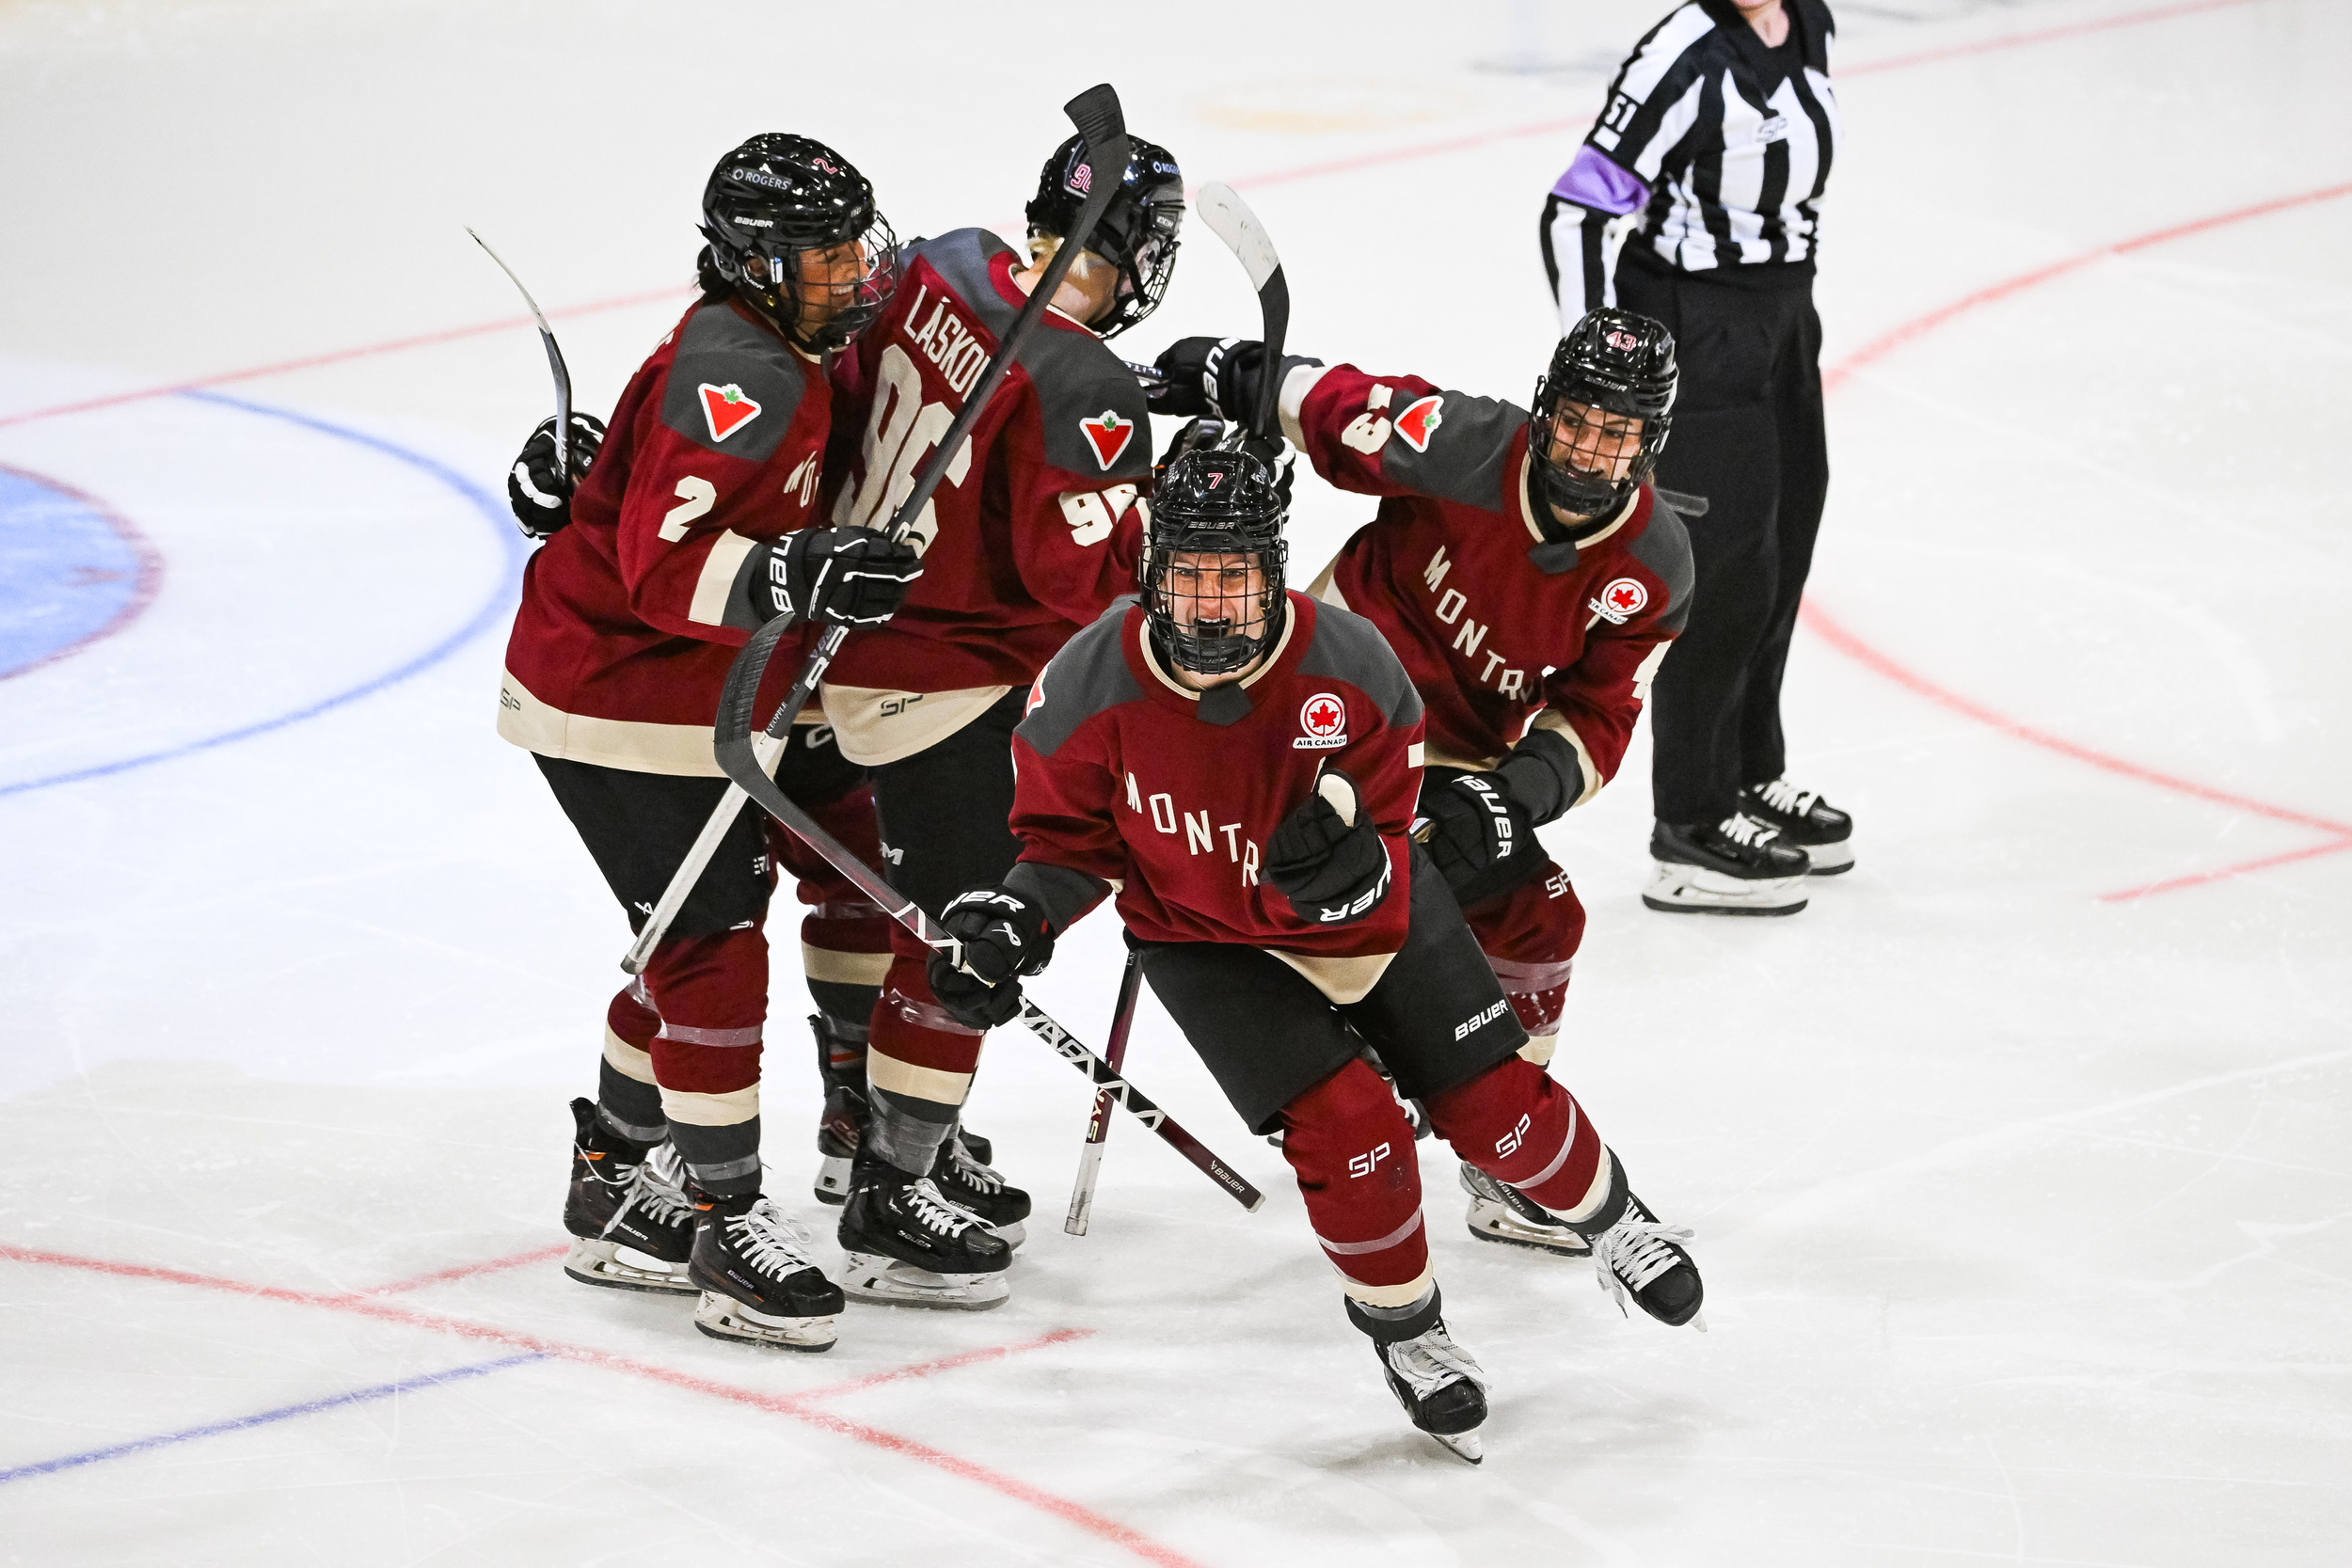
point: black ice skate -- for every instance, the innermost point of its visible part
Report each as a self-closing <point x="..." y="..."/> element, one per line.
<point x="971" y="1184"/>
<point x="631" y="1226"/>
<point x="1442" y="1389"/>
<point x="1806" y="820"/>
<point x="751" y="1263"/>
<point x="1639" y="1254"/>
<point x="1739" y="866"/>
<point x="1503" y="1214"/>
<point x="909" y="1246"/>
<point x="842" y="1126"/>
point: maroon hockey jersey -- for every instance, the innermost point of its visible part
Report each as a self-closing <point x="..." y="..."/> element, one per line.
<point x="1127" y="779"/>
<point x="631" y="615"/>
<point x="1499" y="629"/>
<point x="1036" y="527"/>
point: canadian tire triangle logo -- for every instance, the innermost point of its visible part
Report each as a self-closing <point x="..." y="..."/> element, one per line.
<point x="726" y="409"/>
<point x="1109" y="435"/>
<point x="1419" y="422"/>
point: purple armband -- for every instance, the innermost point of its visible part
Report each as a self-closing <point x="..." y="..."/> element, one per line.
<point x="1595" y="181"/>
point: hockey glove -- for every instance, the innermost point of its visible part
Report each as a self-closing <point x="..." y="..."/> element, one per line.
<point x="1481" y="839"/>
<point x="1209" y="375"/>
<point x="1326" y="858"/>
<point x="541" y="502"/>
<point x="1005" y="936"/>
<point x="851" y="576"/>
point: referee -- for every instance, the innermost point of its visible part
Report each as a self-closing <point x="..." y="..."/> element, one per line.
<point x="1695" y="201"/>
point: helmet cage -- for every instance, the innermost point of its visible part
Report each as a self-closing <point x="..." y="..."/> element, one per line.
<point x="1139" y="231"/>
<point x="780" y="209"/>
<point x="1216" y="522"/>
<point x="1613" y="363"/>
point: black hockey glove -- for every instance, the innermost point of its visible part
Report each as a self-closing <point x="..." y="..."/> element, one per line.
<point x="1210" y="434"/>
<point x="1005" y="936"/>
<point x="1481" y="839"/>
<point x="853" y="575"/>
<point x="1326" y="858"/>
<point x="1209" y="375"/>
<point x="541" y="502"/>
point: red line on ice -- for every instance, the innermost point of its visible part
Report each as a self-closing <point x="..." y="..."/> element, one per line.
<point x="1828" y="628"/>
<point x="460" y="1271"/>
<point x="800" y="1407"/>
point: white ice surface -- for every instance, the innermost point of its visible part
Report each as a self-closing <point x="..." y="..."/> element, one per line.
<point x="2025" y="1209"/>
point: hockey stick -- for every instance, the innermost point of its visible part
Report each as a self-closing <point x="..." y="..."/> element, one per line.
<point x="555" y="363"/>
<point x="1230" y="219"/>
<point x="1099" y="1121"/>
<point x="736" y="754"/>
<point x="1103" y="129"/>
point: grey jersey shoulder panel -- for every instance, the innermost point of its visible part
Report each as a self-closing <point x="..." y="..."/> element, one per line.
<point x="1663" y="545"/>
<point x="719" y="348"/>
<point x="1074" y="374"/>
<point x="1348" y="647"/>
<point x="1088" y="676"/>
<point x="1468" y="451"/>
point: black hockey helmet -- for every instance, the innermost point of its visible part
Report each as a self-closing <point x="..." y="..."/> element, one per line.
<point x="1227" y="506"/>
<point x="1613" y="362"/>
<point x="1137" y="231"/>
<point x="773" y="200"/>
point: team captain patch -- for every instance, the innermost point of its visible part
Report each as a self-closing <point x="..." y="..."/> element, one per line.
<point x="1620" y="601"/>
<point x="1109" y="435"/>
<point x="1324" y="717"/>
<point x="726" y="409"/>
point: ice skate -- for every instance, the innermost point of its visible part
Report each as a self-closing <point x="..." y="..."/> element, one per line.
<point x="1804" y="820"/>
<point x="1639" y="1256"/>
<point x="841" y="1126"/>
<point x="1502" y="1213"/>
<point x="1739" y="866"/>
<point x="909" y="1246"/>
<point x="751" y="1265"/>
<point x="1442" y="1389"/>
<point x="631" y="1226"/>
<point x="972" y="1184"/>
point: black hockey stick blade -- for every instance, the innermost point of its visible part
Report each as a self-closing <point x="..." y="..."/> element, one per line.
<point x="1689" y="505"/>
<point x="555" y="364"/>
<point x="1098" y="117"/>
<point x="1230" y="219"/>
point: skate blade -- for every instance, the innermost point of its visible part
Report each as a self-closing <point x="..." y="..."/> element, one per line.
<point x="624" y="1268"/>
<point x="725" y="1317"/>
<point x="1500" y="1225"/>
<point x="1463" y="1445"/>
<point x="866" y="1276"/>
<point x="833" y="1180"/>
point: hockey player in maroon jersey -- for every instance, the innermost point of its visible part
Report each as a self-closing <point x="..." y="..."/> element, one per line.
<point x="1032" y="533"/>
<point x="1238" y="766"/>
<point x="694" y="527"/>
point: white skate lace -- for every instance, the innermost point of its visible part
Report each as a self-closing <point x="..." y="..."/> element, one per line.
<point x="934" y="1212"/>
<point x="1745" y="829"/>
<point x="1634" y="1252"/>
<point x="657" y="1189"/>
<point x="1430" y="1361"/>
<point x="1784" y="797"/>
<point x="769" y="1238"/>
<point x="971" y="1172"/>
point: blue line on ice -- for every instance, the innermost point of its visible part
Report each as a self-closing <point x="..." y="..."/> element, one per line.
<point x="495" y="606"/>
<point x="283" y="1413"/>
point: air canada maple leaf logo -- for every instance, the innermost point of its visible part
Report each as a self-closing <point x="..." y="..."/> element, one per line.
<point x="1621" y="600"/>
<point x="726" y="409"/>
<point x="1419" y="422"/>
<point x="1109" y="434"/>
<point x="1324" y="717"/>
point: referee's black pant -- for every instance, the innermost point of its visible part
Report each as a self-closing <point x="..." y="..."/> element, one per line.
<point x="1748" y="436"/>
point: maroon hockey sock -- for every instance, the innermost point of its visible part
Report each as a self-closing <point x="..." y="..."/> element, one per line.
<point x="1351" y="1148"/>
<point x="712" y="993"/>
<point x="626" y="1101"/>
<point x="1519" y="1126"/>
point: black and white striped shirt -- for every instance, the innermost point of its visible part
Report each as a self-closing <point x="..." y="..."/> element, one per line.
<point x="1713" y="153"/>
